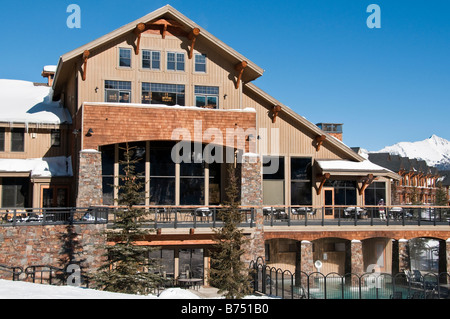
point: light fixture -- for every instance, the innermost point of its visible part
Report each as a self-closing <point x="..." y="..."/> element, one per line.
<point x="90" y="132"/>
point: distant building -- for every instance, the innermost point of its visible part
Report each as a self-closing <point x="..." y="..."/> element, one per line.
<point x="418" y="181"/>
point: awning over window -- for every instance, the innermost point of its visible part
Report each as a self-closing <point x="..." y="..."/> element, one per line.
<point x="351" y="168"/>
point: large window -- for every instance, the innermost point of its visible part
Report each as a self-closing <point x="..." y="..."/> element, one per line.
<point x="167" y="94"/>
<point x="192" y="180"/>
<point x="151" y="60"/>
<point x="273" y="180"/>
<point x="301" y="186"/>
<point x="17" y="140"/>
<point x="175" y="61"/>
<point x="162" y="174"/>
<point x="2" y="139"/>
<point x="207" y="96"/>
<point x="200" y="63"/>
<point x="374" y="193"/>
<point x="117" y="91"/>
<point x="125" y="58"/>
<point x="108" y="160"/>
<point x="344" y="192"/>
<point x="15" y="192"/>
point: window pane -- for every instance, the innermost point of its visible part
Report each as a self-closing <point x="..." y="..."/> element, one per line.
<point x="212" y="102"/>
<point x="15" y="192"/>
<point x="156" y="60"/>
<point x="273" y="167"/>
<point x="301" y="168"/>
<point x="200" y="101"/>
<point x="171" y="61"/>
<point x="17" y="139"/>
<point x="125" y="58"/>
<point x="273" y="192"/>
<point x="2" y="139"/>
<point x="162" y="191"/>
<point x="301" y="193"/>
<point x="108" y="190"/>
<point x="161" y="163"/>
<point x="192" y="191"/>
<point x="124" y="97"/>
<point x="56" y="137"/>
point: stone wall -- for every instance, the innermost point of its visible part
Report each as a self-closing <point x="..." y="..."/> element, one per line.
<point x="26" y="246"/>
<point x="89" y="179"/>
<point x="251" y="195"/>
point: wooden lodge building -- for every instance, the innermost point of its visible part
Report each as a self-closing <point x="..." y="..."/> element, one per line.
<point x="163" y="79"/>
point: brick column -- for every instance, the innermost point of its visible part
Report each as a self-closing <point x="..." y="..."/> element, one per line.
<point x="251" y="195"/>
<point x="403" y="255"/>
<point x="90" y="179"/>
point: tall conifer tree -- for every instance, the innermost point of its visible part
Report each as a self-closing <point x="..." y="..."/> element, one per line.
<point x="128" y="268"/>
<point x="228" y="272"/>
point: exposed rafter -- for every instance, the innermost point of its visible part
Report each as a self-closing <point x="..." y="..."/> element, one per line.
<point x="193" y="37"/>
<point x="323" y="178"/>
<point x="275" y="110"/>
<point x="319" y="141"/>
<point x="240" y="68"/>
<point x="85" y="59"/>
<point x="164" y="24"/>
<point x="366" y="183"/>
<point x="140" y="28"/>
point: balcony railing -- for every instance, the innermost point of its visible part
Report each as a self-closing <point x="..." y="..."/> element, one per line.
<point x="210" y="217"/>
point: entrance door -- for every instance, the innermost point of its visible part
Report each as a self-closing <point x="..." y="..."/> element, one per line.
<point x="54" y="196"/>
<point x="328" y="195"/>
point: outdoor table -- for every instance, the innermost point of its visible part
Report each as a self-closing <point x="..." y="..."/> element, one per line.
<point x="189" y="282"/>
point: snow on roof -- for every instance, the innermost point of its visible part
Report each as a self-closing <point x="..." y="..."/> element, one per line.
<point x="50" y="68"/>
<point x="349" y="166"/>
<point x="39" y="167"/>
<point x="23" y="102"/>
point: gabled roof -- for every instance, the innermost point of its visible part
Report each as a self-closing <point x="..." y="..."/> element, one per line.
<point x="305" y="123"/>
<point x="66" y="62"/>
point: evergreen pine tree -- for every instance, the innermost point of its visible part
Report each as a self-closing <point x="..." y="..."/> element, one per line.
<point x="228" y="272"/>
<point x="128" y="268"/>
<point x="441" y="196"/>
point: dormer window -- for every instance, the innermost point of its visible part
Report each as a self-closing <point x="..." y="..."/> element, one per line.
<point x="175" y="61"/>
<point x="124" y="58"/>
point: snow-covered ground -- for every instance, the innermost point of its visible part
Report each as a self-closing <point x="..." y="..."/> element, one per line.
<point x="25" y="290"/>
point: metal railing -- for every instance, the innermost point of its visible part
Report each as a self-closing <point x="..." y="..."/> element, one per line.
<point x="209" y="216"/>
<point x="52" y="216"/>
<point x="41" y="274"/>
<point x="284" y="284"/>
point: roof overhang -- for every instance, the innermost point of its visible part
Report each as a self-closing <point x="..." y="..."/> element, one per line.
<point x="350" y="168"/>
<point x="67" y="61"/>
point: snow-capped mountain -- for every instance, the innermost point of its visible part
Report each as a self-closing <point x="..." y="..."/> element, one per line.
<point x="434" y="150"/>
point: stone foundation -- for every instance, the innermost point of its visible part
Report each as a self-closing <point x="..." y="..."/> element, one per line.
<point x="26" y="246"/>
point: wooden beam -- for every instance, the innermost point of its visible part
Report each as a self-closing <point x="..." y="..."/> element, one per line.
<point x="85" y="58"/>
<point x="325" y="177"/>
<point x="367" y="181"/>
<point x="193" y="37"/>
<point x="319" y="141"/>
<point x="165" y="24"/>
<point x="240" y="68"/>
<point x="275" y="110"/>
<point x="140" y="28"/>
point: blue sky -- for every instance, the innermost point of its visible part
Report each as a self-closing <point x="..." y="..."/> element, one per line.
<point x="386" y="85"/>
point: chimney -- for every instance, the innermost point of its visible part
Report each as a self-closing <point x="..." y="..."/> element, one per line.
<point x="49" y="73"/>
<point x="333" y="129"/>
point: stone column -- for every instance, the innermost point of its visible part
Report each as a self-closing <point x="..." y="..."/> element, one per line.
<point x="90" y="190"/>
<point x="403" y="255"/>
<point x="251" y="195"/>
<point x="357" y="260"/>
<point x="447" y="242"/>
<point x="306" y="262"/>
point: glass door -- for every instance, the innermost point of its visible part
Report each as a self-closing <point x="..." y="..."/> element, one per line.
<point x="328" y="202"/>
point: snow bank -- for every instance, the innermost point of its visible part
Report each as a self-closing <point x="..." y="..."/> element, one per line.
<point x="23" y="102"/>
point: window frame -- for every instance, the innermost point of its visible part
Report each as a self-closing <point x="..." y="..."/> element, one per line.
<point x="151" y="60"/>
<point x="196" y="63"/>
<point x="2" y="139"/>
<point x="130" y="58"/>
<point x="176" y="63"/>
<point x="55" y="138"/>
<point x="306" y="181"/>
<point x="176" y="91"/>
<point x="22" y="149"/>
<point x="206" y="95"/>
<point x="119" y="91"/>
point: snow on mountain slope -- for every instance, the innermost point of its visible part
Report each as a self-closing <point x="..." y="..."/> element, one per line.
<point x="434" y="150"/>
